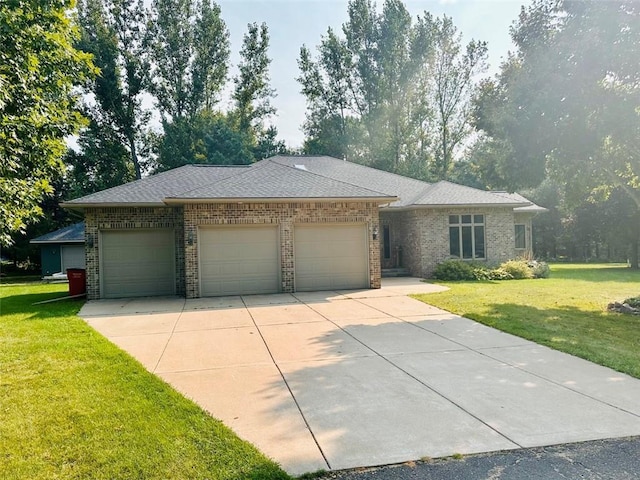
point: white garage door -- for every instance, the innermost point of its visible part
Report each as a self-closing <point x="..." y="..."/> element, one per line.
<point x="72" y="256"/>
<point x="238" y="260"/>
<point x="329" y="257"/>
<point x="137" y="263"/>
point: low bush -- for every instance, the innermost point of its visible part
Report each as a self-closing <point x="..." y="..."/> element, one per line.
<point x="518" y="269"/>
<point x="451" y="270"/>
<point x="481" y="272"/>
<point x="500" y="274"/>
<point x="454" y="270"/>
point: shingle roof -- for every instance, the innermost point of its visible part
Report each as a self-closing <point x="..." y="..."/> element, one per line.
<point x="154" y="189"/>
<point x="271" y="180"/>
<point x="411" y="192"/>
<point x="532" y="207"/>
<point x="291" y="177"/>
<point x="450" y="194"/>
<point x="389" y="183"/>
<point x="71" y="234"/>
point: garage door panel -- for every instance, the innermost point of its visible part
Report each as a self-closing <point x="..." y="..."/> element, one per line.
<point x="239" y="260"/>
<point x="141" y="287"/>
<point x="72" y="257"/>
<point x="331" y="257"/>
<point x="137" y="263"/>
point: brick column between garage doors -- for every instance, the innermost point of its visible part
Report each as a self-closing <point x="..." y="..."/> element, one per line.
<point x="285" y="215"/>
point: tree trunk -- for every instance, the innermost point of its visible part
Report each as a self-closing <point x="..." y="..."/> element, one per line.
<point x="633" y="255"/>
<point x="634" y="243"/>
<point x="634" y="246"/>
<point x="445" y="153"/>
<point x="134" y="157"/>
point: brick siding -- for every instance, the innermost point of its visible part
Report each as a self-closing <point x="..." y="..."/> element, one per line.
<point x="423" y="235"/>
<point x="286" y="216"/>
<point x="185" y="221"/>
<point x="129" y="218"/>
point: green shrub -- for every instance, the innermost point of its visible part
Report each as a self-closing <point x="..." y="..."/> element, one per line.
<point x="510" y="270"/>
<point x="481" y="272"/>
<point x="500" y="274"/>
<point x="518" y="269"/>
<point x="454" y="270"/>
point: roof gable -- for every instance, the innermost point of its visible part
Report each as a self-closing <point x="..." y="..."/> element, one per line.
<point x="152" y="190"/>
<point x="271" y="180"/>
<point x="388" y="183"/>
<point x="530" y="208"/>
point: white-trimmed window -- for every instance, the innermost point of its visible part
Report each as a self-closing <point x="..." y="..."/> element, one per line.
<point x="466" y="237"/>
<point x="521" y="237"/>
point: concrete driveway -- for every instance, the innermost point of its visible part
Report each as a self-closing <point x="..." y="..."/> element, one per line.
<point x="334" y="380"/>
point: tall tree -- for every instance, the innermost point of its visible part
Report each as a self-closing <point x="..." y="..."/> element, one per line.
<point x="455" y="71"/>
<point x="566" y="103"/>
<point x="189" y="44"/>
<point x="100" y="162"/>
<point x="39" y="67"/>
<point x="326" y="86"/>
<point x="194" y="132"/>
<point x="115" y="33"/>
<point x="190" y="50"/>
<point x="392" y="93"/>
<point x="252" y="93"/>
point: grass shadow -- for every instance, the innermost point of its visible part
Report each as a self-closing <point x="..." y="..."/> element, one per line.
<point x="24" y="305"/>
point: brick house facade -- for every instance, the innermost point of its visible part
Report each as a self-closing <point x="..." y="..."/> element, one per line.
<point x="286" y="224"/>
<point x="419" y="238"/>
<point x="185" y="221"/>
<point x="99" y="220"/>
<point x="285" y="216"/>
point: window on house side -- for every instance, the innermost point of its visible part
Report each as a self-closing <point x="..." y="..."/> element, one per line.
<point x="466" y="237"/>
<point x="386" y="241"/>
<point x="521" y="237"/>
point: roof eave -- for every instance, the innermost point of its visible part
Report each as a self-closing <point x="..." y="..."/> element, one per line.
<point x="82" y="206"/>
<point x="417" y="206"/>
<point x="182" y="201"/>
<point x="531" y="209"/>
<point x="48" y="242"/>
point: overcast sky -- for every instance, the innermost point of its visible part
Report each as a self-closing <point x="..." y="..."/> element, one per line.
<point x="293" y="23"/>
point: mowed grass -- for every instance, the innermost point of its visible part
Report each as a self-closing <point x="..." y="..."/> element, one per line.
<point x="72" y="405"/>
<point x="566" y="311"/>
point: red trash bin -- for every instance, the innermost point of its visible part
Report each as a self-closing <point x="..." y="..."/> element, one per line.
<point x="77" y="281"/>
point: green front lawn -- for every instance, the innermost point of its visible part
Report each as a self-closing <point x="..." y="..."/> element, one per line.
<point x="566" y="311"/>
<point x="72" y="405"/>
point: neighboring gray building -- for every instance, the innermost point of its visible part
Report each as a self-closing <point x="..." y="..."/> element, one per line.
<point x="61" y="249"/>
<point x="288" y="223"/>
